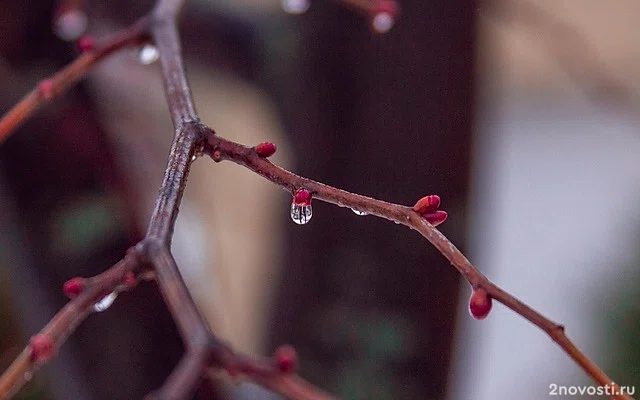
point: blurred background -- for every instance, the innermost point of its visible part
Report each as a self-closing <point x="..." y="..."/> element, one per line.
<point x="521" y="115"/>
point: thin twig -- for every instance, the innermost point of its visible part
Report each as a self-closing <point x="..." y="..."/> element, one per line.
<point x="66" y="321"/>
<point x="222" y="149"/>
<point x="52" y="87"/>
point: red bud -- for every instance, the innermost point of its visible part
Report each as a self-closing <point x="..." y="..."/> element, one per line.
<point x="73" y="287"/>
<point x="480" y="303"/>
<point x="42" y="348"/>
<point x="86" y="43"/>
<point x="286" y="359"/>
<point x="129" y="280"/>
<point x="427" y="204"/>
<point x="265" y="149"/>
<point x="302" y="197"/>
<point x="45" y="89"/>
<point x="436" y="218"/>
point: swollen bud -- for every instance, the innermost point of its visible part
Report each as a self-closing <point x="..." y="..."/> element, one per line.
<point x="42" y="348"/>
<point x="265" y="149"/>
<point x="427" y="204"/>
<point x="45" y="89"/>
<point x="480" y="303"/>
<point x="86" y="43"/>
<point x="286" y="359"/>
<point x="302" y="197"/>
<point x="436" y="218"/>
<point x="74" y="286"/>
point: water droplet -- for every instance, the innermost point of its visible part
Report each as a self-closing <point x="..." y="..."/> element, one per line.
<point x="193" y="157"/>
<point x="70" y="25"/>
<point x="105" y="303"/>
<point x="148" y="54"/>
<point x="295" y="6"/>
<point x="27" y="376"/>
<point x="358" y="212"/>
<point x="301" y="214"/>
<point x="382" y="22"/>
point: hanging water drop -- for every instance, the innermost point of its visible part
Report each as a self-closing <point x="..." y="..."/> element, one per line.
<point x="301" y="214"/>
<point x="382" y="22"/>
<point x="358" y="212"/>
<point x="148" y="54"/>
<point x="105" y="303"/>
<point x="70" y="25"/>
<point x="295" y="6"/>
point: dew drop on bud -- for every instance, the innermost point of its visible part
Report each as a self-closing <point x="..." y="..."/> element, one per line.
<point x="301" y="214"/>
<point x="105" y="303"/>
<point x="148" y="54"/>
<point x="70" y="25"/>
<point x="295" y="6"/>
<point x="382" y="22"/>
<point x="358" y="212"/>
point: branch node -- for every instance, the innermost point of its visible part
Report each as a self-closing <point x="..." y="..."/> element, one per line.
<point x="45" y="89"/>
<point x="42" y="348"/>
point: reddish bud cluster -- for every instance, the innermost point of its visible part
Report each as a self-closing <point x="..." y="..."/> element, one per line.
<point x="286" y="359"/>
<point x="42" y="348"/>
<point x="74" y="286"/>
<point x="428" y="208"/>
<point x="86" y="43"/>
<point x="45" y="89"/>
<point x="265" y="149"/>
<point x="480" y="303"/>
<point x="302" y="197"/>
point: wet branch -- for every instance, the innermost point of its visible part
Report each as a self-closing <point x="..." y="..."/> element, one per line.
<point x="222" y="149"/>
<point x="152" y="255"/>
<point x="50" y="88"/>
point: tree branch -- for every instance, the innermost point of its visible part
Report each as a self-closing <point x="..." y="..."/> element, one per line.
<point x="222" y="149"/>
<point x="203" y="349"/>
<point x="50" y="88"/>
<point x="66" y="321"/>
